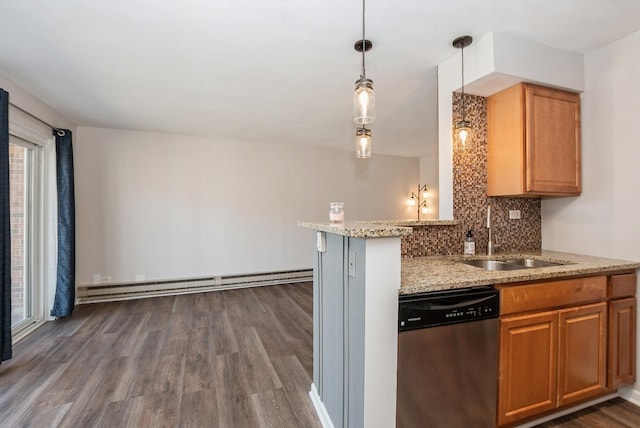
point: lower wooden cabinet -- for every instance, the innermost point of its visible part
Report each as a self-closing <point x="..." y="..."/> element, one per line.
<point x="527" y="369"/>
<point x="563" y="342"/>
<point x="549" y="359"/>
<point x="582" y="347"/>
<point x="622" y="340"/>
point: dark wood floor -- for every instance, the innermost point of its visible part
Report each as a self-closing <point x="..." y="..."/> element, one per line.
<point x="236" y="358"/>
<point x="616" y="413"/>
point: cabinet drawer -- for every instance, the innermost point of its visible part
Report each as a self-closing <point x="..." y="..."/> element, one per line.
<point x="552" y="294"/>
<point x="622" y="286"/>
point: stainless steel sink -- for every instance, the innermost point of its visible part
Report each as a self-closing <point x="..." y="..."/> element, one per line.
<point x="509" y="264"/>
<point x="532" y="263"/>
<point x="493" y="264"/>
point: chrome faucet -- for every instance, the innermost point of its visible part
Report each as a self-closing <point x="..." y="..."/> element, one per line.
<point x="490" y="243"/>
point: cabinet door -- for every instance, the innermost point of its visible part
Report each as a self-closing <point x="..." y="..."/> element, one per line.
<point x="505" y="142"/>
<point x="622" y="340"/>
<point x="581" y="352"/>
<point x="552" y="141"/>
<point x="527" y="378"/>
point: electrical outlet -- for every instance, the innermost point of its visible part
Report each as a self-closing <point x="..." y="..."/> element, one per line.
<point x="140" y="277"/>
<point x="97" y="278"/>
<point x="105" y="279"/>
<point x="514" y="215"/>
<point x="352" y="264"/>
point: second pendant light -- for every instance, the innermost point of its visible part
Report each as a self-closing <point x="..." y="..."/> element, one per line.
<point x="463" y="127"/>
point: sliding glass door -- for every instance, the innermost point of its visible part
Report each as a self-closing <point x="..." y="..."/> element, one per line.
<point x="23" y="187"/>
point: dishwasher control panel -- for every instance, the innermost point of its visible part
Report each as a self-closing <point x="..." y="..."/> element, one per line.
<point x="432" y="309"/>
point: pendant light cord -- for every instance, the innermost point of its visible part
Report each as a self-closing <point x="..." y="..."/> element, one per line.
<point x="463" y="106"/>
<point x="364" y="72"/>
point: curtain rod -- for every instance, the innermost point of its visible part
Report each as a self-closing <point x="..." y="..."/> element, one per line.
<point x="59" y="131"/>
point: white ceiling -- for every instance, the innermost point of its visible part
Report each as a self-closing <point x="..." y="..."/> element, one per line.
<point x="270" y="71"/>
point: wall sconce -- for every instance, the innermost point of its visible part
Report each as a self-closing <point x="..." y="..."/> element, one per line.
<point x="419" y="200"/>
<point x="463" y="127"/>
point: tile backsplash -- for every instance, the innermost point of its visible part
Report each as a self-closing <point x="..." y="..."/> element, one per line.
<point x="470" y="201"/>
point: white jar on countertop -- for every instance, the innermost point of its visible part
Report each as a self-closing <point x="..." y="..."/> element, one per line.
<point x="336" y="212"/>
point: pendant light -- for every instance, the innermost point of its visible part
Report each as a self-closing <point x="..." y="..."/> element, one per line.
<point x="363" y="143"/>
<point x="364" y="99"/>
<point x="463" y="127"/>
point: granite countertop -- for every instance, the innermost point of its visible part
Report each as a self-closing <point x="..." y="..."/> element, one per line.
<point x="415" y="223"/>
<point x="420" y="274"/>
<point x="375" y="228"/>
<point x="360" y="229"/>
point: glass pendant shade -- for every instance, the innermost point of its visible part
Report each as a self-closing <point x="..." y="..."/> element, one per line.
<point x="364" y="102"/>
<point x="463" y="128"/>
<point x="363" y="143"/>
<point x="463" y="132"/>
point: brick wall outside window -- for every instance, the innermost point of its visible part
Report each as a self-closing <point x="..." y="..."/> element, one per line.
<point x="17" y="218"/>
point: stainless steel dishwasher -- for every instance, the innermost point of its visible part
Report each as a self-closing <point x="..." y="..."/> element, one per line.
<point x="448" y="359"/>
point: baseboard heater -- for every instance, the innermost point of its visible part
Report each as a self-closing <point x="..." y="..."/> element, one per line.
<point x="141" y="289"/>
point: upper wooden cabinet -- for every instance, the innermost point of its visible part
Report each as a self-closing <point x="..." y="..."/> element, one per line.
<point x="533" y="145"/>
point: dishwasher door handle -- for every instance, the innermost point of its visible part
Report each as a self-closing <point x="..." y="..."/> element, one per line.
<point x="425" y="305"/>
<point x="461" y="304"/>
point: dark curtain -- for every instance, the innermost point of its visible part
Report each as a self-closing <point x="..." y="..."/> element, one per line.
<point x="65" y="297"/>
<point x="5" y="244"/>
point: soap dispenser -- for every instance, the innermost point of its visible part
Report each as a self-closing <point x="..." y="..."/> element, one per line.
<point x="469" y="244"/>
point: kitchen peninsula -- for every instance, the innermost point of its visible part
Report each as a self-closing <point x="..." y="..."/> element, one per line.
<point x="358" y="276"/>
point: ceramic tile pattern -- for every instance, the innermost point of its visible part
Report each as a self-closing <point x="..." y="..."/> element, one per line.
<point x="470" y="201"/>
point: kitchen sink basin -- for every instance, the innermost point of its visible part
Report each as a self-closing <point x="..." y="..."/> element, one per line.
<point x="493" y="264"/>
<point x="509" y="264"/>
<point x="532" y="263"/>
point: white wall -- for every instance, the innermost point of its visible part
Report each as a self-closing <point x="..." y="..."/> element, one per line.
<point x="603" y="221"/>
<point x="429" y="176"/>
<point x="169" y="206"/>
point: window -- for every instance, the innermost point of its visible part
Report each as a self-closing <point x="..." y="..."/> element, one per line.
<point x="31" y="216"/>
<point x="23" y="179"/>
